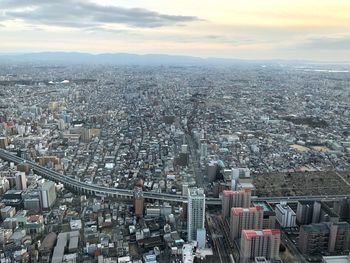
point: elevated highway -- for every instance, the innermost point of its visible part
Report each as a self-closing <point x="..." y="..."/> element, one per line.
<point x="97" y="190"/>
<point x="93" y="189"/>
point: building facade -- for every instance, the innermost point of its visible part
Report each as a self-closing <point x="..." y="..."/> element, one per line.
<point x="195" y="212"/>
<point x="245" y="218"/>
<point x="316" y="239"/>
<point x="286" y="217"/>
<point x="231" y="199"/>
<point x="260" y="243"/>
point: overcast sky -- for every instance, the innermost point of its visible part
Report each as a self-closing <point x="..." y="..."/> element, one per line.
<point x="249" y="29"/>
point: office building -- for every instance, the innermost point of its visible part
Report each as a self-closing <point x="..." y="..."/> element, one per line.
<point x="195" y="212"/>
<point x="7" y="212"/>
<point x="212" y="168"/>
<point x="184" y="189"/>
<point x="269" y="221"/>
<point x="245" y="218"/>
<point x="240" y="173"/>
<point x="342" y="208"/>
<point x="306" y="214"/>
<point x="286" y="217"/>
<point x="139" y="201"/>
<point x="201" y="238"/>
<point x="66" y="242"/>
<point x="339" y="237"/>
<point x="85" y="135"/>
<point x="203" y="149"/>
<point x="4" y="185"/>
<point x="260" y="243"/>
<point x="48" y="194"/>
<point x="231" y="199"/>
<point x="32" y="200"/>
<point x="315" y="212"/>
<point x="21" y="181"/>
<point x="3" y="142"/>
<point x="316" y="239"/>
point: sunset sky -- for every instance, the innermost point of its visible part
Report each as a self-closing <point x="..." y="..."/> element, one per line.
<point x="249" y="29"/>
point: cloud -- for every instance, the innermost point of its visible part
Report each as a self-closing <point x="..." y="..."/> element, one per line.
<point x="83" y="14"/>
<point x="327" y="43"/>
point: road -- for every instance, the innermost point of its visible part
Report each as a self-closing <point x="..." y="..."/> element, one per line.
<point x="292" y="248"/>
<point x="93" y="189"/>
<point x="195" y="161"/>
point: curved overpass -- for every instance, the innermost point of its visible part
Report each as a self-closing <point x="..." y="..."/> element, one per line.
<point x="96" y="190"/>
<point x="93" y="189"/>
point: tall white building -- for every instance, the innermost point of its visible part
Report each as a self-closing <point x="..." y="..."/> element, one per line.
<point x="48" y="194"/>
<point x="286" y="217"/>
<point x="195" y="212"/>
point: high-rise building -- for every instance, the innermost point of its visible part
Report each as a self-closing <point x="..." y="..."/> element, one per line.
<point x="4" y="185"/>
<point x="201" y="238"/>
<point x="32" y="200"/>
<point x="184" y="148"/>
<point x="308" y="212"/>
<point x="339" y="237"/>
<point x="3" y="142"/>
<point x="195" y="212"/>
<point x="21" y="181"/>
<point x="286" y="217"/>
<point x="231" y="199"/>
<point x="85" y="135"/>
<point x="316" y="239"/>
<point x="212" y="168"/>
<point x="269" y="221"/>
<point x="305" y="212"/>
<point x="245" y="218"/>
<point x="203" y="149"/>
<point x="241" y="172"/>
<point x="184" y="189"/>
<point x="315" y="212"/>
<point x="260" y="243"/>
<point x="342" y="208"/>
<point x="48" y="194"/>
<point x="139" y="201"/>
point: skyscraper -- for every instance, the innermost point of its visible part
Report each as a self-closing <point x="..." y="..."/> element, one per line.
<point x="231" y="199"/>
<point x="21" y="181"/>
<point x="260" y="243"/>
<point x="195" y="212"/>
<point x="245" y="218"/>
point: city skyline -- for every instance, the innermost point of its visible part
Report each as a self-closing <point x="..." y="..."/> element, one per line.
<point x="226" y="29"/>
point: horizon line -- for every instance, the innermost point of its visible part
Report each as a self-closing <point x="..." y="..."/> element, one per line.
<point x="300" y="60"/>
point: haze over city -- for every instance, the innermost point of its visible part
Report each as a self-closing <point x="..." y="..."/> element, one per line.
<point x="254" y="29"/>
<point x="174" y="132"/>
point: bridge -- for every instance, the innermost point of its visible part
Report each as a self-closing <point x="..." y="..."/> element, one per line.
<point x="93" y="189"/>
<point x="102" y="191"/>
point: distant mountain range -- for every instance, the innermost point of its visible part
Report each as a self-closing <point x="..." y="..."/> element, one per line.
<point x="126" y="59"/>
